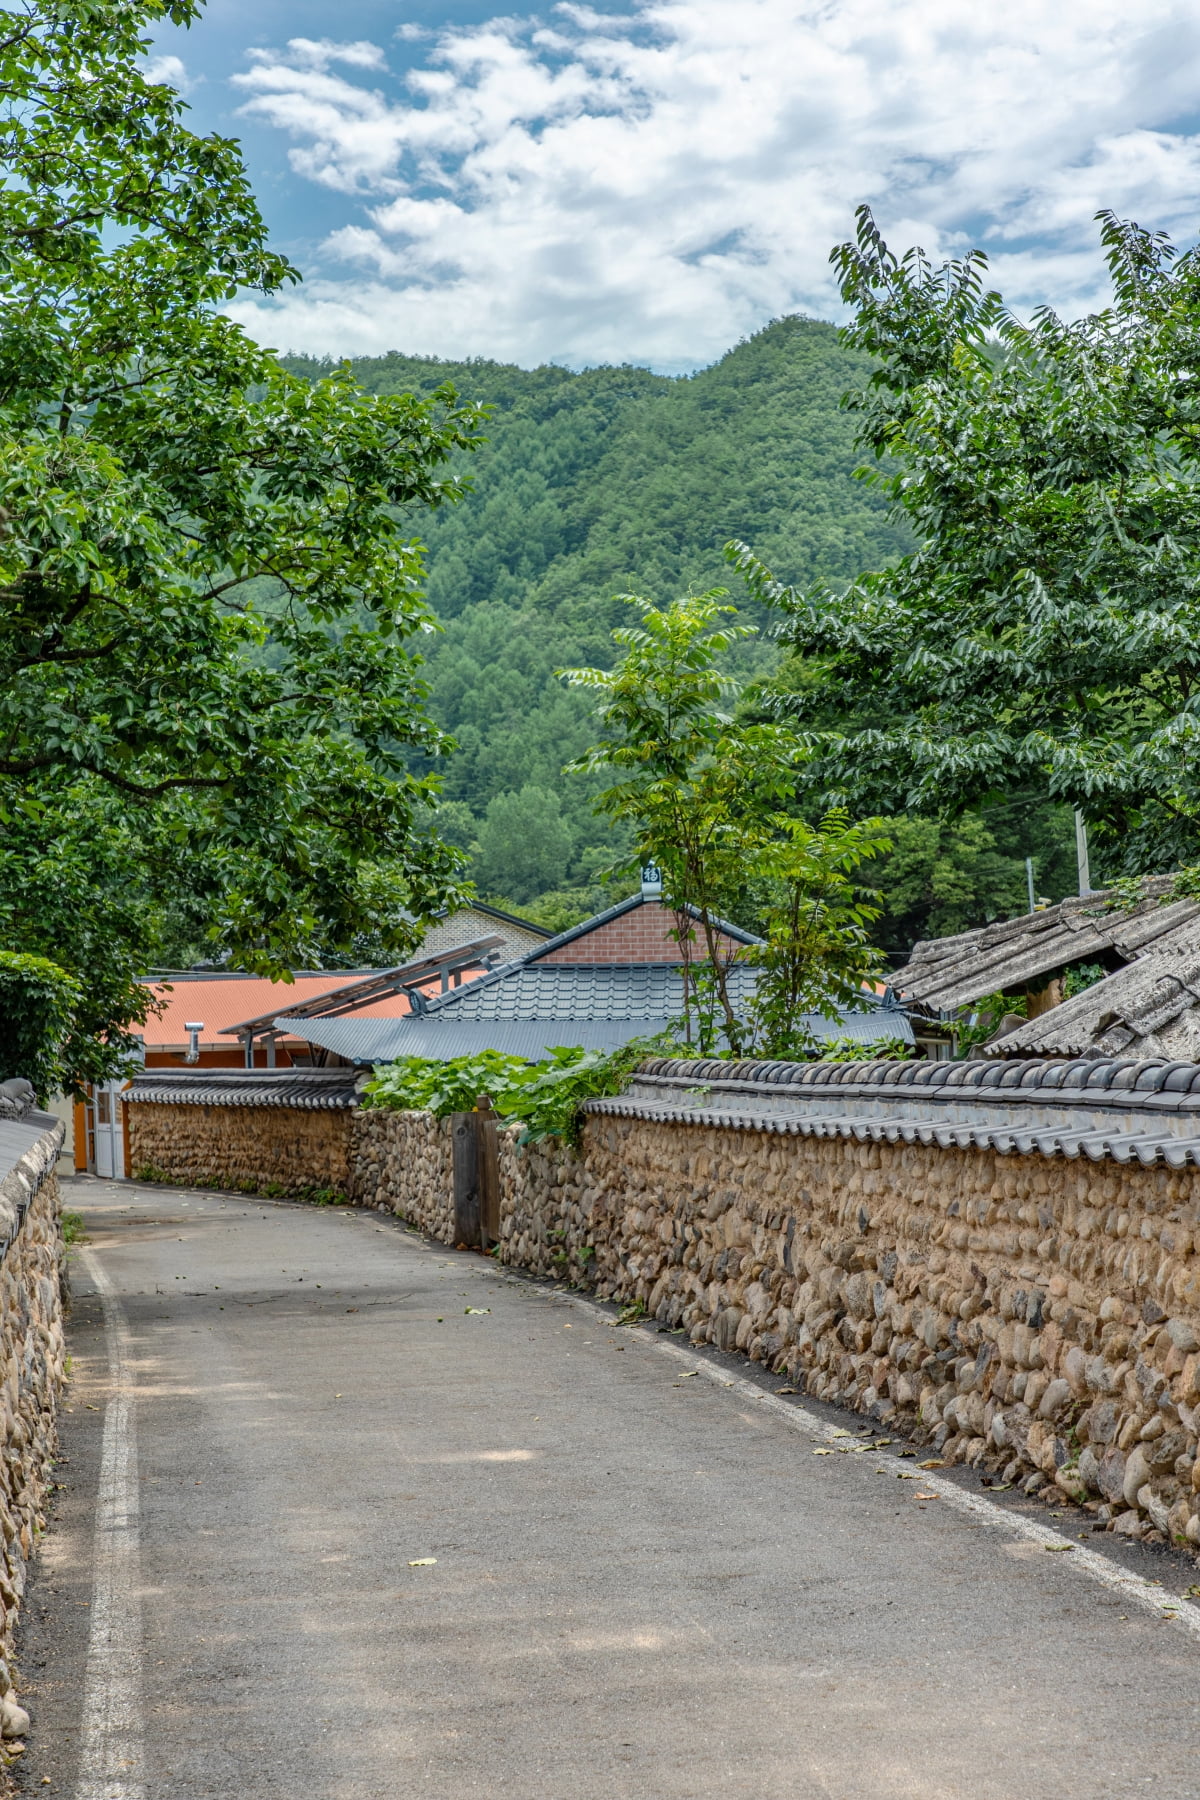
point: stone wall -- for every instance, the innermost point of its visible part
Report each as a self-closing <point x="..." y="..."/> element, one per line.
<point x="274" y="1133"/>
<point x="255" y="1150"/>
<point x="1003" y="1262"/>
<point x="32" y="1371"/>
<point x="1035" y="1314"/>
<point x="403" y="1163"/>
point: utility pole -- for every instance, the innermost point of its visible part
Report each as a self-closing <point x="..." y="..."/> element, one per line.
<point x="1081" y="854"/>
<point x="1029" y="879"/>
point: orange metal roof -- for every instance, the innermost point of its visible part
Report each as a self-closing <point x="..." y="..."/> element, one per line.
<point x="219" y="1000"/>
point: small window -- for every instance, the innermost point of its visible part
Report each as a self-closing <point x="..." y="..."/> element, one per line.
<point x="103" y="1107"/>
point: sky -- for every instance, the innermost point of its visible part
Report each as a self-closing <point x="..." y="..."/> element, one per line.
<point x="649" y="182"/>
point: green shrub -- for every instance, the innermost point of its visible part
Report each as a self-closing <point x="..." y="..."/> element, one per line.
<point x="545" y="1097"/>
<point x="37" y="1008"/>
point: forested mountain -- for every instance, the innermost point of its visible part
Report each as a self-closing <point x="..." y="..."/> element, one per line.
<point x="595" y="484"/>
<point x="616" y="480"/>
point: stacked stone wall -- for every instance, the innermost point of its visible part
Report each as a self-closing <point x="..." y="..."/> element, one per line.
<point x="403" y="1163"/>
<point x="1033" y="1314"/>
<point x="248" y="1149"/>
<point x="32" y="1372"/>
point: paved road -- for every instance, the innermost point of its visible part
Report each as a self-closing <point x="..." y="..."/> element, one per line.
<point x="647" y="1585"/>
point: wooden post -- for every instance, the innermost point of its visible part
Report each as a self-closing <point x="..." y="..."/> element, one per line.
<point x="488" y="1163"/>
<point x="1045" y="999"/>
<point x="466" y="1180"/>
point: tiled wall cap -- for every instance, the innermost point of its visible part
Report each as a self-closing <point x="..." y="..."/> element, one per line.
<point x="1151" y="1075"/>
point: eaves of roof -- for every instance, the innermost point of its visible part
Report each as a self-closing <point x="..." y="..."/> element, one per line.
<point x="945" y="974"/>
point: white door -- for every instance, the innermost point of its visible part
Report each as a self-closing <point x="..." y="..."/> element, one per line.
<point x="109" y="1136"/>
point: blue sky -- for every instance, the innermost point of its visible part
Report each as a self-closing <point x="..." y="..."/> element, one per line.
<point x="651" y="180"/>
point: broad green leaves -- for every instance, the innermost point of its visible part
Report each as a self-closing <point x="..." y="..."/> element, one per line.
<point x="1046" y="633"/>
<point x="709" y="798"/>
<point x="208" y="593"/>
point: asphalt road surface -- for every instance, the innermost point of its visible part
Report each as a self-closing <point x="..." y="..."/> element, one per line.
<point x="348" y="1516"/>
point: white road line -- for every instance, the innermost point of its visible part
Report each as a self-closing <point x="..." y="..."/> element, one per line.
<point x="1131" y="1588"/>
<point x="110" y="1765"/>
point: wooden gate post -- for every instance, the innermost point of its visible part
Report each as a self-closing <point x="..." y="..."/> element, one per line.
<point x="488" y="1169"/>
<point x="466" y="1179"/>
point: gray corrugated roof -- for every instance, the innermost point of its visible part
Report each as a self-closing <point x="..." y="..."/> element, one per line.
<point x="529" y="1009"/>
<point x="367" y="1041"/>
<point x="944" y="974"/>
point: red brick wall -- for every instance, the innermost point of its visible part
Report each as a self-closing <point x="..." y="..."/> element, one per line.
<point x="638" y="936"/>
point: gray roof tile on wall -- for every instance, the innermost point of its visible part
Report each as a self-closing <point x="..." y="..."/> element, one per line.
<point x="303" y="1089"/>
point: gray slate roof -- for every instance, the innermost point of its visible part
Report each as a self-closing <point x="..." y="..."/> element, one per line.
<point x="1149" y="1008"/>
<point x="531" y="1007"/>
<point x="944" y="974"/>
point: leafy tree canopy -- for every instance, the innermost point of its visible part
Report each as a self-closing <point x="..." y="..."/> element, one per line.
<point x="1046" y="630"/>
<point x="207" y="687"/>
<point x="709" y="798"/>
<point x="601" y="481"/>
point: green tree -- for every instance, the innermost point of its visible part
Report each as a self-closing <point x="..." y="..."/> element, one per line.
<point x="208" y="588"/>
<point x="524" y="844"/>
<point x="941" y="877"/>
<point x="1045" y="632"/>
<point x="706" y="797"/>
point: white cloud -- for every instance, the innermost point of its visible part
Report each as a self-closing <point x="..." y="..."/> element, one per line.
<point x="650" y="187"/>
<point x="167" y="71"/>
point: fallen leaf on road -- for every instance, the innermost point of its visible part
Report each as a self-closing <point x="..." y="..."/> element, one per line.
<point x="422" y="1562"/>
<point x="787" y="1390"/>
<point x="930" y="1497"/>
<point x="1192" y="1593"/>
<point x="477" y="1311"/>
<point x="822" y="1452"/>
<point x="840" y="1433"/>
<point x="935" y="1462"/>
<point x="1056" y="1547"/>
<point x="689" y="1375"/>
<point x="905" y="1476"/>
<point x="1001" y="1487"/>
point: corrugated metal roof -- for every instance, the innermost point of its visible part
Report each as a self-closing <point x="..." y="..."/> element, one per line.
<point x="527" y="1011"/>
<point x="532" y="1039"/>
<point x="944" y="974"/>
<point x="221" y="1000"/>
